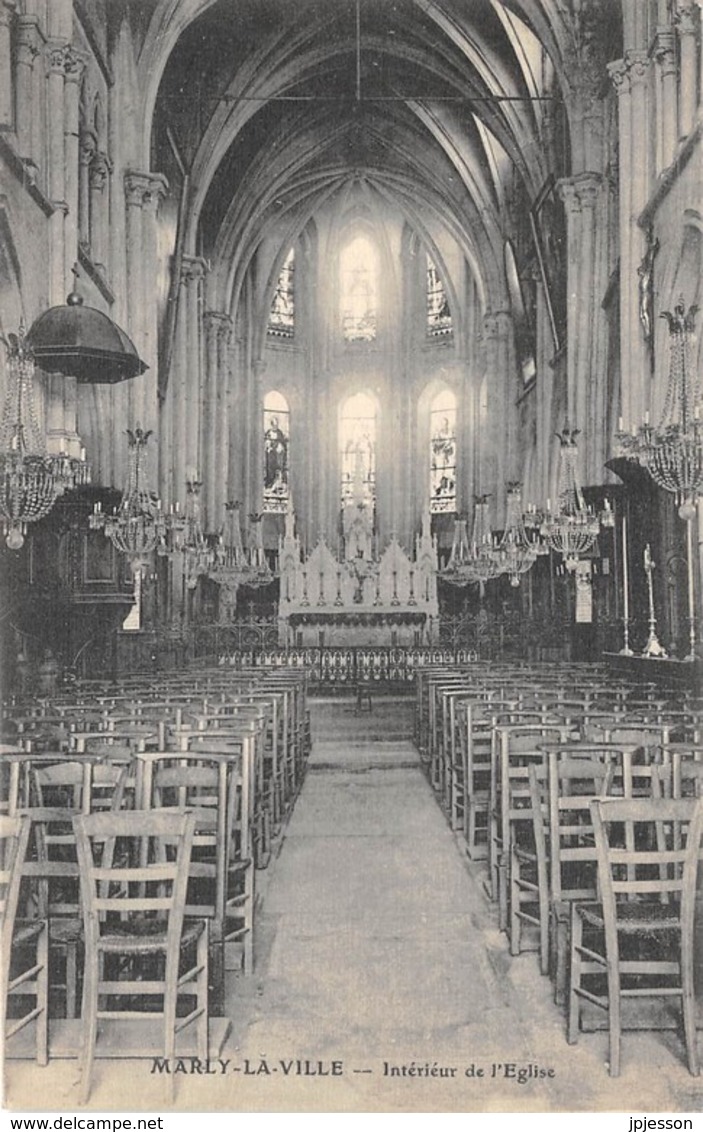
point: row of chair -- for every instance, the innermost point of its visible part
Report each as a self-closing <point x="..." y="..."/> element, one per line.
<point x="519" y="757"/>
<point x="113" y="766"/>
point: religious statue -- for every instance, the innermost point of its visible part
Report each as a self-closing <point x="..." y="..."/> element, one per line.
<point x="645" y="271"/>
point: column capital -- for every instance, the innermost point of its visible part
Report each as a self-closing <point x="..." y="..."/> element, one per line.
<point x="580" y="191"/>
<point x="629" y="71"/>
<point x="142" y="188"/>
<point x="217" y="321"/>
<point x="685" y="17"/>
<point x="664" y="49"/>
<point x="496" y="323"/>
<point x="74" y="64"/>
<point x="193" y="269"/>
<point x="28" y="39"/>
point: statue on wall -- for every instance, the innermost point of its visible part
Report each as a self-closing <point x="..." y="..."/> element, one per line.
<point x="645" y="272"/>
<point x="357" y="522"/>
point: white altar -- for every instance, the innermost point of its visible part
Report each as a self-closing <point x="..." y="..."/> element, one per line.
<point x="357" y="598"/>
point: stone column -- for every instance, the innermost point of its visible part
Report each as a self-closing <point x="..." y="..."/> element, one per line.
<point x="218" y="330"/>
<point x="56" y="173"/>
<point x="498" y="444"/>
<point x="7" y="8"/>
<point x="686" y="19"/>
<point x="585" y="201"/>
<point x="629" y="76"/>
<point x="25" y="126"/>
<point x="664" y="53"/>
<point x="74" y="65"/>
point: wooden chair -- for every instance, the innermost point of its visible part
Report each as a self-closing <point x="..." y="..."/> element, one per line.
<point x="63" y="790"/>
<point x="639" y="938"/>
<point x="21" y="979"/>
<point x="138" y="944"/>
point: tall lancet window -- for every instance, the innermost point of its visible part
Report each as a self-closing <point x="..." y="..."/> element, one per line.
<point x="357" y="443"/>
<point x="281" y="322"/>
<point x="439" y="316"/>
<point x="276" y="440"/>
<point x="443" y="453"/>
<point x="359" y="290"/>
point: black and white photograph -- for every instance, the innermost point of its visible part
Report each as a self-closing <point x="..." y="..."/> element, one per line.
<point x="351" y="557"/>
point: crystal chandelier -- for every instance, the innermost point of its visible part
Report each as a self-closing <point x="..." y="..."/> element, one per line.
<point x="233" y="566"/>
<point x="138" y="525"/>
<point x="198" y="554"/>
<point x="574" y="528"/>
<point x="672" y="452"/>
<point x="516" y="552"/>
<point x="472" y="563"/>
<point x="32" y="480"/>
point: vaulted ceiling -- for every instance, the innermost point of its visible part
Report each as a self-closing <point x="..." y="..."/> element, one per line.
<point x="273" y="105"/>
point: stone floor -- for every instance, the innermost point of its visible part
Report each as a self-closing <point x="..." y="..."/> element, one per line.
<point x="377" y="951"/>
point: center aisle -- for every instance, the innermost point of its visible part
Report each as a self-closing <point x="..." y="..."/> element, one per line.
<point x="377" y="949"/>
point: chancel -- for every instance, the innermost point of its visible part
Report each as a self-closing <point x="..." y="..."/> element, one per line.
<point x="351" y="467"/>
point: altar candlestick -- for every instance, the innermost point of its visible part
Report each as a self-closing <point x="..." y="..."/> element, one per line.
<point x="625" y="650"/>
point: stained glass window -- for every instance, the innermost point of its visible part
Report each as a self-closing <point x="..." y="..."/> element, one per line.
<point x="281" y="322"/>
<point x="357" y="442"/>
<point x="439" y="316"/>
<point x="359" y="289"/>
<point x="443" y="453"/>
<point x="276" y="441"/>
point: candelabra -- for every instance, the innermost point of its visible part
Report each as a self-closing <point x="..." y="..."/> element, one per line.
<point x="31" y="480"/>
<point x="653" y="646"/>
<point x="516" y="552"/>
<point x="138" y="525"/>
<point x="574" y="528"/>
<point x="199" y="556"/>
<point x="232" y="565"/>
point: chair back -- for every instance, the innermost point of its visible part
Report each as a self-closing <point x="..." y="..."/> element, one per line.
<point x="14" y="835"/>
<point x="134" y="872"/>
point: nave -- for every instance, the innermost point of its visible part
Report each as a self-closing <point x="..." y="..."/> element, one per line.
<point x="376" y="943"/>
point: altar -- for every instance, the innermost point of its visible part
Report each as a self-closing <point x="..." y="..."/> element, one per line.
<point x="357" y="598"/>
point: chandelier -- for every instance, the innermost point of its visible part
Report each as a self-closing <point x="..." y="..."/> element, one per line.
<point x="516" y="552"/>
<point x="233" y="566"/>
<point x="672" y="452"/>
<point x="138" y="525"/>
<point x="574" y="528"/>
<point x="474" y="562"/>
<point x="198" y="554"/>
<point x="31" y="479"/>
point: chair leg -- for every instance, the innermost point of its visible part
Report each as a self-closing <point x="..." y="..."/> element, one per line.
<point x="502" y="893"/>
<point x="614" y="1010"/>
<point x="515" y="929"/>
<point x="71" y="978"/>
<point x="90" y="1024"/>
<point x="688" y="1003"/>
<point x="202" y="981"/>
<point x="170" y="1002"/>
<point x="42" y="1003"/>
<point x="574" y="1010"/>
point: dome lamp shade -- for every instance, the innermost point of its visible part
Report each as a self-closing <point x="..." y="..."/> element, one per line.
<point x="84" y="343"/>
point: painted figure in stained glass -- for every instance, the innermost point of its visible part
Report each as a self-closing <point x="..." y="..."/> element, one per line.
<point x="276" y="438"/>
<point x="439" y="316"/>
<point x="443" y="453"/>
<point x="359" y="274"/>
<point x="282" y="314"/>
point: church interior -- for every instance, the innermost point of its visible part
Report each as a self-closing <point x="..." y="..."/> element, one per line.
<point x="351" y="569"/>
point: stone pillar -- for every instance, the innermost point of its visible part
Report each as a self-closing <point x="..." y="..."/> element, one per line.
<point x="7" y="8"/>
<point x="26" y="126"/>
<point x="686" y="18"/>
<point x="498" y="445"/>
<point x="100" y="169"/>
<point x="56" y="173"/>
<point x="218" y="331"/>
<point x="255" y="464"/>
<point x="585" y="201"/>
<point x="74" y="65"/>
<point x="664" y="54"/>
<point x="629" y="76"/>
